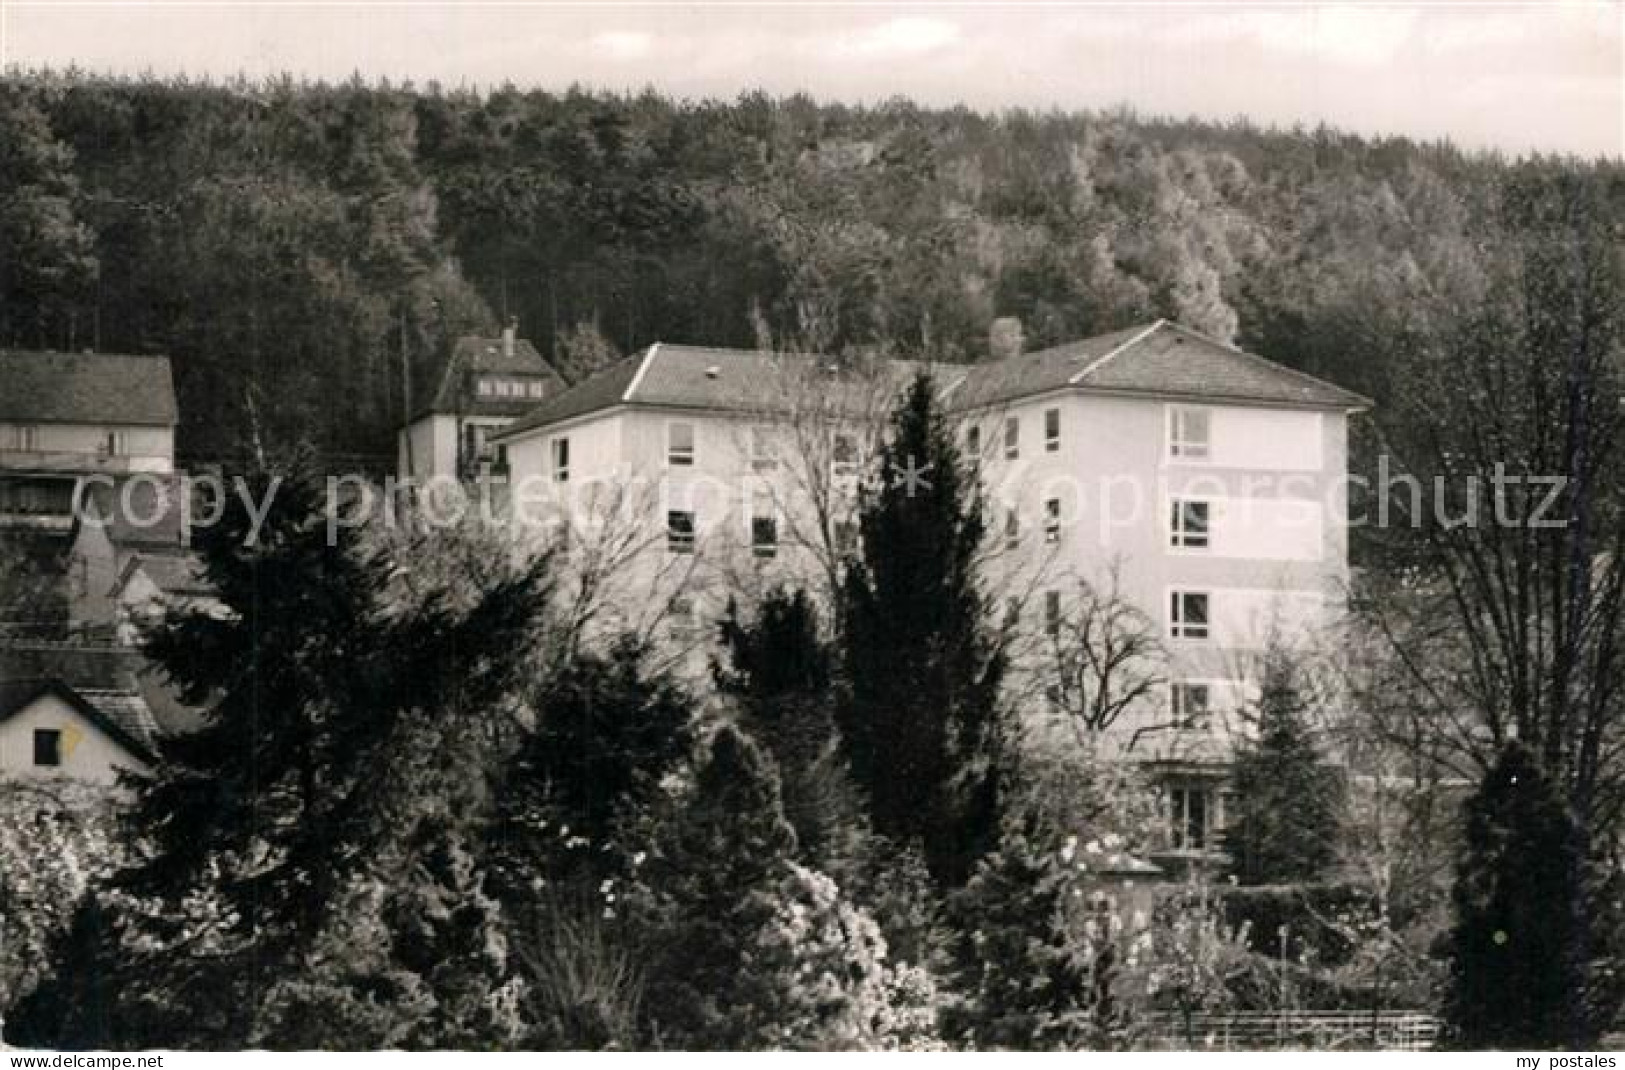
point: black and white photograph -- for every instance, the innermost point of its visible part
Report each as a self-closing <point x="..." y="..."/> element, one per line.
<point x="811" y="527"/>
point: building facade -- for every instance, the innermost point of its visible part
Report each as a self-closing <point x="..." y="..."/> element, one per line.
<point x="1200" y="486"/>
<point x="486" y="385"/>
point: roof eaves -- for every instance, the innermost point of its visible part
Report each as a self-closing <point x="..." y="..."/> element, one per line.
<point x="1356" y="402"/>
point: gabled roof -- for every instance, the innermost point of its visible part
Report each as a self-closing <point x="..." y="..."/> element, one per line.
<point x="1038" y="372"/>
<point x="93" y="388"/>
<point x="716" y="379"/>
<point x="179" y="575"/>
<point x="472" y="356"/>
<point x="1160" y="358"/>
<point x="122" y="715"/>
<point x="106" y="677"/>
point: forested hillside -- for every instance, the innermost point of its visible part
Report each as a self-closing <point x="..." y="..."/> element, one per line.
<point x="287" y="244"/>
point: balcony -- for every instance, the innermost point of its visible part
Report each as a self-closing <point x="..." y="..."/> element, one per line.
<point x="81" y="462"/>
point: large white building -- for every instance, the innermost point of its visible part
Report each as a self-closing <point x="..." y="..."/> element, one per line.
<point x="1205" y="482"/>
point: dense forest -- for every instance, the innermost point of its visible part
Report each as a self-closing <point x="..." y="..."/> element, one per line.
<point x="299" y="249"/>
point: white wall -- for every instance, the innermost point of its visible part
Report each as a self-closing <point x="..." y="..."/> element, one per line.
<point x="79" y="447"/>
<point x="89" y="754"/>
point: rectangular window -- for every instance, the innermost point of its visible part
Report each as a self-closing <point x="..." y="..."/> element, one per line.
<point x="1052" y="520"/>
<point x="1012" y="529"/>
<point x="1052" y="612"/>
<point x="1189" y="434"/>
<point x="680" y="531"/>
<point x="1189" y="704"/>
<point x="1188" y="524"/>
<point x="679" y="444"/>
<point x="27" y="437"/>
<point x="486" y="388"/>
<point x="764" y="526"/>
<point x="114" y="444"/>
<point x="844" y="455"/>
<point x="1052" y="430"/>
<point x="538" y="389"/>
<point x="1187" y="818"/>
<point x="973" y="441"/>
<point x="1188" y="615"/>
<point x="47" y="746"/>
<point x="1012" y="438"/>
<point x="561" y="460"/>
<point x="764" y="449"/>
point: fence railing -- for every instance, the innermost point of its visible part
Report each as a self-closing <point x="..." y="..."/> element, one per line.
<point x="1295" y="1030"/>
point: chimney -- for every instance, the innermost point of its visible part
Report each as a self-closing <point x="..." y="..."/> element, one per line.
<point x="508" y="333"/>
<point x="1004" y="338"/>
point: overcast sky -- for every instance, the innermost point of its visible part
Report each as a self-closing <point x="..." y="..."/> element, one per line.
<point x="1515" y="76"/>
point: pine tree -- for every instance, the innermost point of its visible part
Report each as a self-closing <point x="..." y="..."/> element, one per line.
<point x="1035" y="975"/>
<point x="1517" y="962"/>
<point x="1287" y="799"/>
<point x="782" y="674"/>
<point x="922" y="723"/>
<point x="576" y="800"/>
<point x="718" y="864"/>
<point x="341" y="749"/>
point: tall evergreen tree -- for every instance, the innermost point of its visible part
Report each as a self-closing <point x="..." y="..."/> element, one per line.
<point x="1517" y="949"/>
<point x="607" y="733"/>
<point x="340" y="754"/>
<point x="922" y="723"/>
<point x="1287" y="799"/>
<point x="718" y="863"/>
<point x="782" y="675"/>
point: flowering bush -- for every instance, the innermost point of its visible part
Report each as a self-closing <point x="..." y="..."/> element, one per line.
<point x="56" y="840"/>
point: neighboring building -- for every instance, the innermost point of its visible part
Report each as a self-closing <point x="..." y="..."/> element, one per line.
<point x="487" y="384"/>
<point x="74" y="711"/>
<point x="1210" y="480"/>
<point x="70" y="417"/>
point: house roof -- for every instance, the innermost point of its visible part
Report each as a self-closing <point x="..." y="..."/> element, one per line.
<point x="176" y="574"/>
<point x="123" y="715"/>
<point x="96" y="388"/>
<point x="1160" y="358"/>
<point x="116" y="679"/>
<point x="717" y="379"/>
<point x="474" y="355"/>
